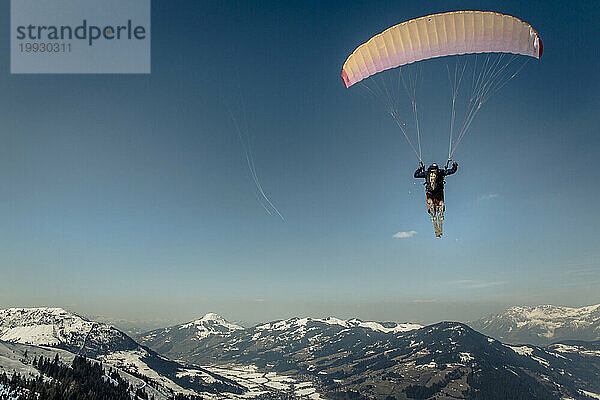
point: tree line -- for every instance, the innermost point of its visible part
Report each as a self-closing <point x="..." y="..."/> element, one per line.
<point x="82" y="380"/>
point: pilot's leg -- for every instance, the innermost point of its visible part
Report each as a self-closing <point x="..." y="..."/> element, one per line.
<point x="432" y="209"/>
<point x="440" y="213"/>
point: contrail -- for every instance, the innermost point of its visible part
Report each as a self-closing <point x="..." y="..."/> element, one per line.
<point x="261" y="196"/>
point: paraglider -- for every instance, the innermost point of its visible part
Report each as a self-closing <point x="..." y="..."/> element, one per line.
<point x="492" y="47"/>
<point x="434" y="192"/>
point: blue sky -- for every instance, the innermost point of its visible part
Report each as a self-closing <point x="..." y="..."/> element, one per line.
<point x="128" y="196"/>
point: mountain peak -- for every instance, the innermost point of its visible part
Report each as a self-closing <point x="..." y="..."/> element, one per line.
<point x="211" y="316"/>
<point x="54" y="326"/>
<point x="211" y="323"/>
<point x="211" y="320"/>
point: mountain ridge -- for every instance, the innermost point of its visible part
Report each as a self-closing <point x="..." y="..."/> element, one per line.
<point x="448" y="359"/>
<point x="542" y="324"/>
<point x="315" y="357"/>
<point x="57" y="328"/>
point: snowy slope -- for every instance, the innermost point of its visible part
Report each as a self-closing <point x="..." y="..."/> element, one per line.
<point x="206" y="328"/>
<point x="44" y="326"/>
<point x="445" y="360"/>
<point x="18" y="358"/>
<point x="58" y="329"/>
<point x="384" y="327"/>
<point x="181" y="339"/>
<point x="210" y="324"/>
<point x="6" y="393"/>
<point x="542" y="324"/>
<point x="130" y="365"/>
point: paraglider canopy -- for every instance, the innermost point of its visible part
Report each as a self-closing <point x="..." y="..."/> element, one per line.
<point x="438" y="35"/>
<point x="501" y="41"/>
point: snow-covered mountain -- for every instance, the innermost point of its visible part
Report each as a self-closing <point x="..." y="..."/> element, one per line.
<point x="312" y="358"/>
<point x="384" y="327"/>
<point x="18" y="358"/>
<point x="376" y="360"/>
<point x="44" y="328"/>
<point x="56" y="327"/>
<point x="542" y="324"/>
<point x="181" y="340"/>
<point x="210" y="324"/>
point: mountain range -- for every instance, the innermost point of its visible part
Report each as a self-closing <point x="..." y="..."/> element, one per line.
<point x="36" y="330"/>
<point x="542" y="325"/>
<point x="377" y="360"/>
<point x="317" y="358"/>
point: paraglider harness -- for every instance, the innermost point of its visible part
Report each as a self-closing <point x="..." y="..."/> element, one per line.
<point x="435" y="197"/>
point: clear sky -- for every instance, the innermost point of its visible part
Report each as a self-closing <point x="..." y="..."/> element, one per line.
<point x="128" y="196"/>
